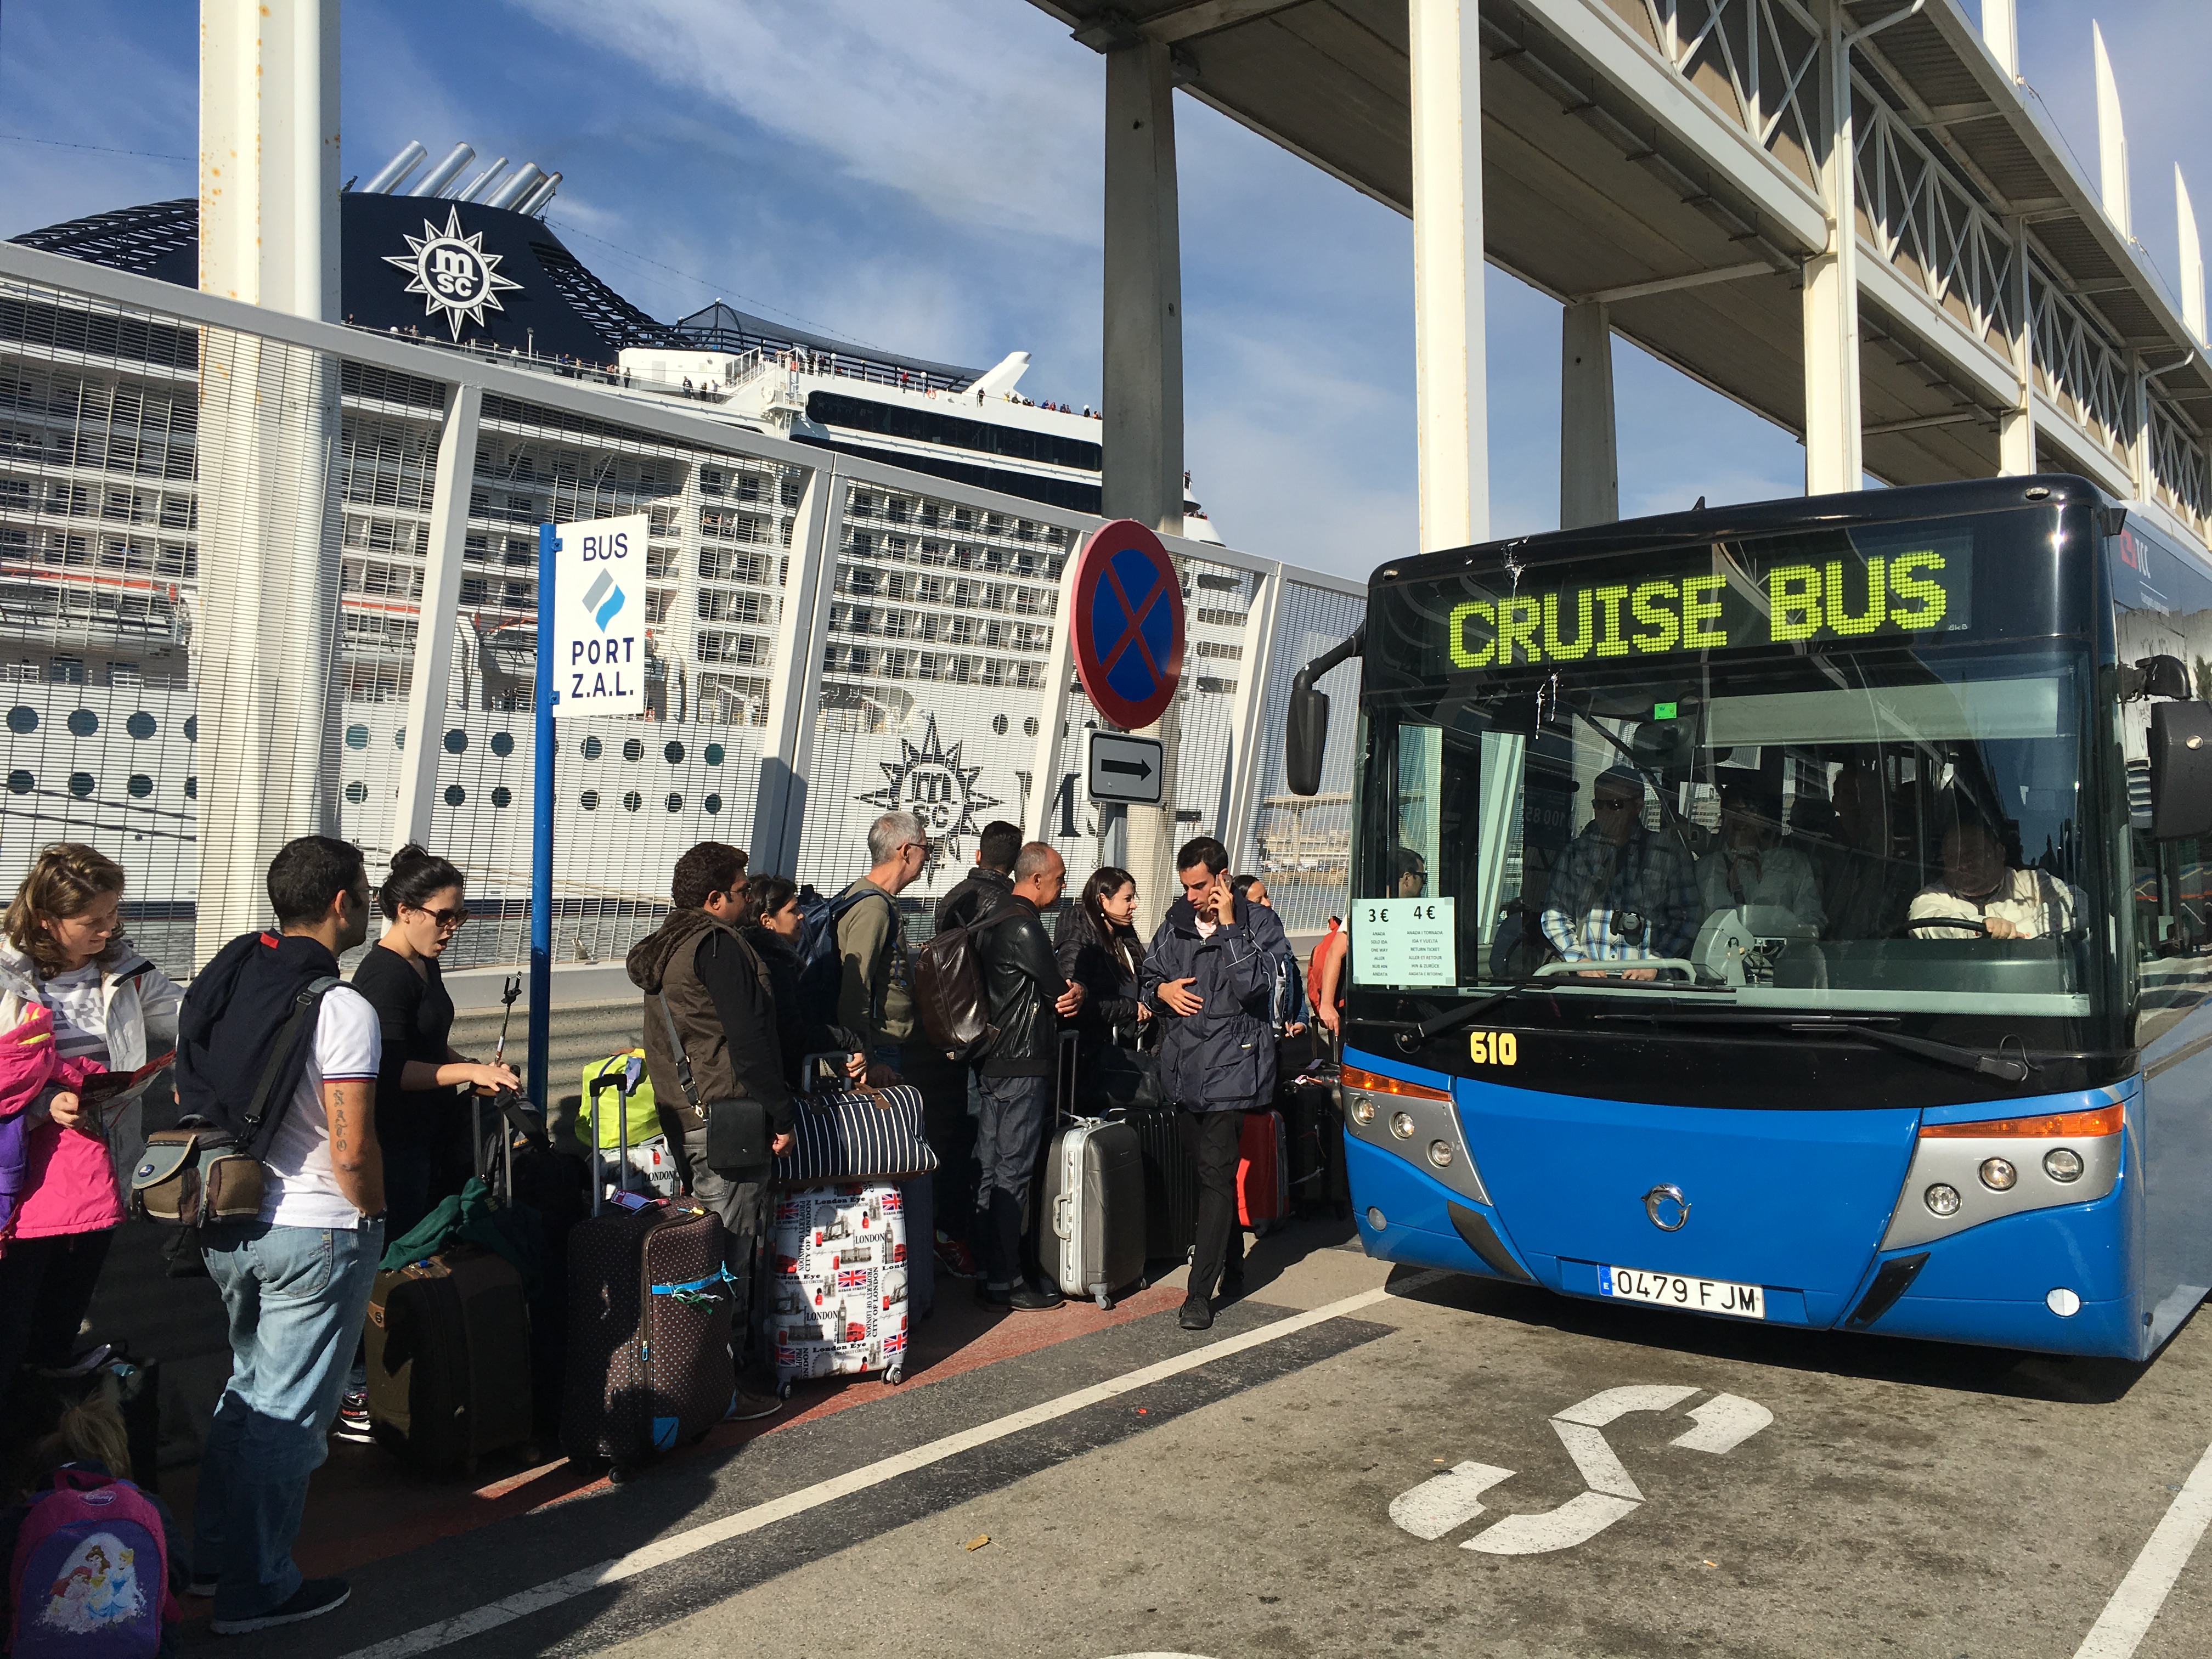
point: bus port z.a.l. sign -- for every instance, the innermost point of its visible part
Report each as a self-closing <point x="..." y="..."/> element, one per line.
<point x="595" y="620"/>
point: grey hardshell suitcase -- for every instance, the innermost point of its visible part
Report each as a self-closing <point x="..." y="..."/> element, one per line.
<point x="1094" y="1209"/>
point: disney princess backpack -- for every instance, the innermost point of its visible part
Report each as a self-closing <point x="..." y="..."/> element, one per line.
<point x="91" y="1572"/>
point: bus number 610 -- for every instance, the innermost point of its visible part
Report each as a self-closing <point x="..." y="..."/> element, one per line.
<point x="1494" y="1047"/>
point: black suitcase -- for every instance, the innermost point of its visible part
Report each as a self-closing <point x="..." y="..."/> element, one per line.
<point x="1170" y="1181"/>
<point x="448" y="1348"/>
<point x="649" y="1362"/>
<point x="1315" y="1132"/>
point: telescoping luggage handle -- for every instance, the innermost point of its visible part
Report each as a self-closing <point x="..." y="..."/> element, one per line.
<point x="623" y="1082"/>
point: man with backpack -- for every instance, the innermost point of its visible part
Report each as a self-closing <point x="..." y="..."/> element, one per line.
<point x="1028" y="996"/>
<point x="282" y="1059"/>
<point x="874" y="998"/>
<point x="709" y="1000"/>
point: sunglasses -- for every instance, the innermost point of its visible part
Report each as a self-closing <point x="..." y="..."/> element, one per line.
<point x="444" y="921"/>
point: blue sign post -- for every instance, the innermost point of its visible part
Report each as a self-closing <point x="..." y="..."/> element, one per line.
<point x="541" y="830"/>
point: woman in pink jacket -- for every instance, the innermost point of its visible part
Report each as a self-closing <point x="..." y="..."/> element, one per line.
<point x="65" y="957"/>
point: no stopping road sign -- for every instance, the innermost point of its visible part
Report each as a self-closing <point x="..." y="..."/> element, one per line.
<point x="1128" y="625"/>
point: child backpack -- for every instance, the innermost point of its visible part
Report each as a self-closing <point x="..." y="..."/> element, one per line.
<point x="91" y="1572"/>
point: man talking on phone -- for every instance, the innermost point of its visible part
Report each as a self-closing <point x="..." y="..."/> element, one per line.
<point x="1209" y="972"/>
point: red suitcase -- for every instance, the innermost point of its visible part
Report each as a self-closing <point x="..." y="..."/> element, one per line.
<point x="1263" y="1171"/>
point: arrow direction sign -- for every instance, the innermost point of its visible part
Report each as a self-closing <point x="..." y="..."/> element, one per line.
<point x="1124" y="769"/>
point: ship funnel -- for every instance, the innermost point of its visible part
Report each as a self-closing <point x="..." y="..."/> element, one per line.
<point x="442" y="174"/>
<point x="388" y="179"/>
<point x="516" y="187"/>
<point x="542" y="197"/>
<point x="477" y="184"/>
<point x="1004" y="377"/>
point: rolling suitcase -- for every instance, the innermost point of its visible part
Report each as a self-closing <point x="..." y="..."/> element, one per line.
<point x="1315" y="1128"/>
<point x="1093" y="1205"/>
<point x="448" y="1348"/>
<point x="650" y="1365"/>
<point x="1170" y="1180"/>
<point x="1262" y="1171"/>
<point x="838" y="1265"/>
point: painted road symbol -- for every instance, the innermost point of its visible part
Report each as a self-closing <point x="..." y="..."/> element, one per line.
<point x="1450" y="1500"/>
<point x="1124" y="768"/>
<point x="1127" y="625"/>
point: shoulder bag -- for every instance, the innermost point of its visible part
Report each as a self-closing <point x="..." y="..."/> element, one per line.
<point x="739" y="1135"/>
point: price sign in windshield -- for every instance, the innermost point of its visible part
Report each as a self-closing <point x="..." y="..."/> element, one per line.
<point x="1403" y="942"/>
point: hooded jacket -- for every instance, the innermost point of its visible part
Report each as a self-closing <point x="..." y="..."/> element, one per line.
<point x="725" y="1007"/>
<point x="31" y="1071"/>
<point x="1221" y="1059"/>
<point x="140" y="1003"/>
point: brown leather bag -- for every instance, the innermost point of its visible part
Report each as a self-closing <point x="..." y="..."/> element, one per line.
<point x="952" y="994"/>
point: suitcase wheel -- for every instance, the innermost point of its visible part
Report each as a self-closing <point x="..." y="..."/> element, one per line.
<point x="783" y="1391"/>
<point x="1261" y="1229"/>
<point x="1100" y="1294"/>
<point x="619" y="1474"/>
<point x="893" y="1377"/>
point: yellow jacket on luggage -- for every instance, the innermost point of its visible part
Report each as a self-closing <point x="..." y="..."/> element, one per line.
<point x="644" y="1116"/>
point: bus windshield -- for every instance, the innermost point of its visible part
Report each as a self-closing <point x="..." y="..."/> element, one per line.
<point x="1835" y="769"/>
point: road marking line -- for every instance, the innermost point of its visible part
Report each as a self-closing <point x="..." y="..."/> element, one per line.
<point x="674" y="1547"/>
<point x="2127" y="1617"/>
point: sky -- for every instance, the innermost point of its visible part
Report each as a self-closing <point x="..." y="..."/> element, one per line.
<point x="934" y="189"/>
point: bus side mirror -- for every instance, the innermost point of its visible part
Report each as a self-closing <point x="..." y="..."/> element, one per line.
<point x="2155" y="677"/>
<point x="2180" y="770"/>
<point x="1306" y="736"/>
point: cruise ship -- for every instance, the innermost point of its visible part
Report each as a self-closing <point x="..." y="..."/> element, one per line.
<point x="941" y="609"/>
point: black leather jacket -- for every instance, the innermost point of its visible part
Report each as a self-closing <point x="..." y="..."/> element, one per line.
<point x="1024" y="980"/>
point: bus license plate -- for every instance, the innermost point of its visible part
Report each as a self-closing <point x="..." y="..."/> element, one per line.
<point x="1720" y="1295"/>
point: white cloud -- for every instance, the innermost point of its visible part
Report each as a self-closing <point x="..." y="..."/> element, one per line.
<point x="948" y="101"/>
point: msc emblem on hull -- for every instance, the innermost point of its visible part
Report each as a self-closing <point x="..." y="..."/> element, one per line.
<point x="1668" y="1209"/>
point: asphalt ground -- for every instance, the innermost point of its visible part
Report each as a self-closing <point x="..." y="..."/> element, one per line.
<point x="1146" y="1491"/>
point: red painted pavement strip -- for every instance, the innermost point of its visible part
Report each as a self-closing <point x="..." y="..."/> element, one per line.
<point x="365" y="1506"/>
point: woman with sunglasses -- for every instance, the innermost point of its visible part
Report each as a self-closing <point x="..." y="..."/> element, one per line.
<point x="421" y="1122"/>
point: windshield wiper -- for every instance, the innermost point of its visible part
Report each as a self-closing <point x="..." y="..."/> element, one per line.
<point x="1409" y="1036"/>
<point x="1977" y="1060"/>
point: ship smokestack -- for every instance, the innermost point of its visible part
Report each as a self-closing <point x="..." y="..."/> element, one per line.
<point x="442" y="174"/>
<point x="542" y="197"/>
<point x="395" y="169"/>
<point x="477" y="184"/>
<point x="516" y="187"/>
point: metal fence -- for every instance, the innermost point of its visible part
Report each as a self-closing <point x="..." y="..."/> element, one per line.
<point x="222" y="530"/>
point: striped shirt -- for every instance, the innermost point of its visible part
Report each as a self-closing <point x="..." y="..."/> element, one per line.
<point x="80" y="1010"/>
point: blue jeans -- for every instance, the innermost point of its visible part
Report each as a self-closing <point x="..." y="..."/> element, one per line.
<point x="295" y="1297"/>
<point x="1009" y="1134"/>
<point x="917" y="1199"/>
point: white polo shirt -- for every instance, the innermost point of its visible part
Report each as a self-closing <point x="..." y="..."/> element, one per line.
<point x="302" y="1190"/>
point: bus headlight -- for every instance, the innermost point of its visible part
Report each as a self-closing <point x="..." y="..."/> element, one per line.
<point x="1998" y="1174"/>
<point x="1363" y="1108"/>
<point x="1942" y="1200"/>
<point x="1440" y="1154"/>
<point x="1401" y="1125"/>
<point x="2063" y="1163"/>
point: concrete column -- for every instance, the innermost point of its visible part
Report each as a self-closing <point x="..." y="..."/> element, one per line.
<point x="2016" y="431"/>
<point x="1589" y="469"/>
<point x="1142" y="473"/>
<point x="437" y="618"/>
<point x="267" y="644"/>
<point x="1834" y="460"/>
<point x="802" y="628"/>
<point x="1451" y="412"/>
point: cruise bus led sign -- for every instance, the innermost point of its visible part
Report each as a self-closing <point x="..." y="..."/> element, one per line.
<point x="1897" y="595"/>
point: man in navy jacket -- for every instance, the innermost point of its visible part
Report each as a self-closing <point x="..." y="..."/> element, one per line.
<point x="1209" y="971"/>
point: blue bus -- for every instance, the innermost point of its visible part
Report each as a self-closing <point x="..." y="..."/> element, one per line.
<point x="1794" y="912"/>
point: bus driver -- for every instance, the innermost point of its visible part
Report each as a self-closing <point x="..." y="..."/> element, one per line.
<point x="1621" y="893"/>
<point x="1977" y="886"/>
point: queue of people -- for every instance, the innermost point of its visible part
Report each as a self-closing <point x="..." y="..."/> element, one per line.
<point x="349" y="1095"/>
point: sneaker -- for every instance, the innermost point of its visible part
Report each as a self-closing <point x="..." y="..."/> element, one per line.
<point x="202" y="1586"/>
<point x="1197" y="1314"/>
<point x="954" y="1258"/>
<point x="745" y="1406"/>
<point x="314" y="1597"/>
<point x="354" y="1423"/>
